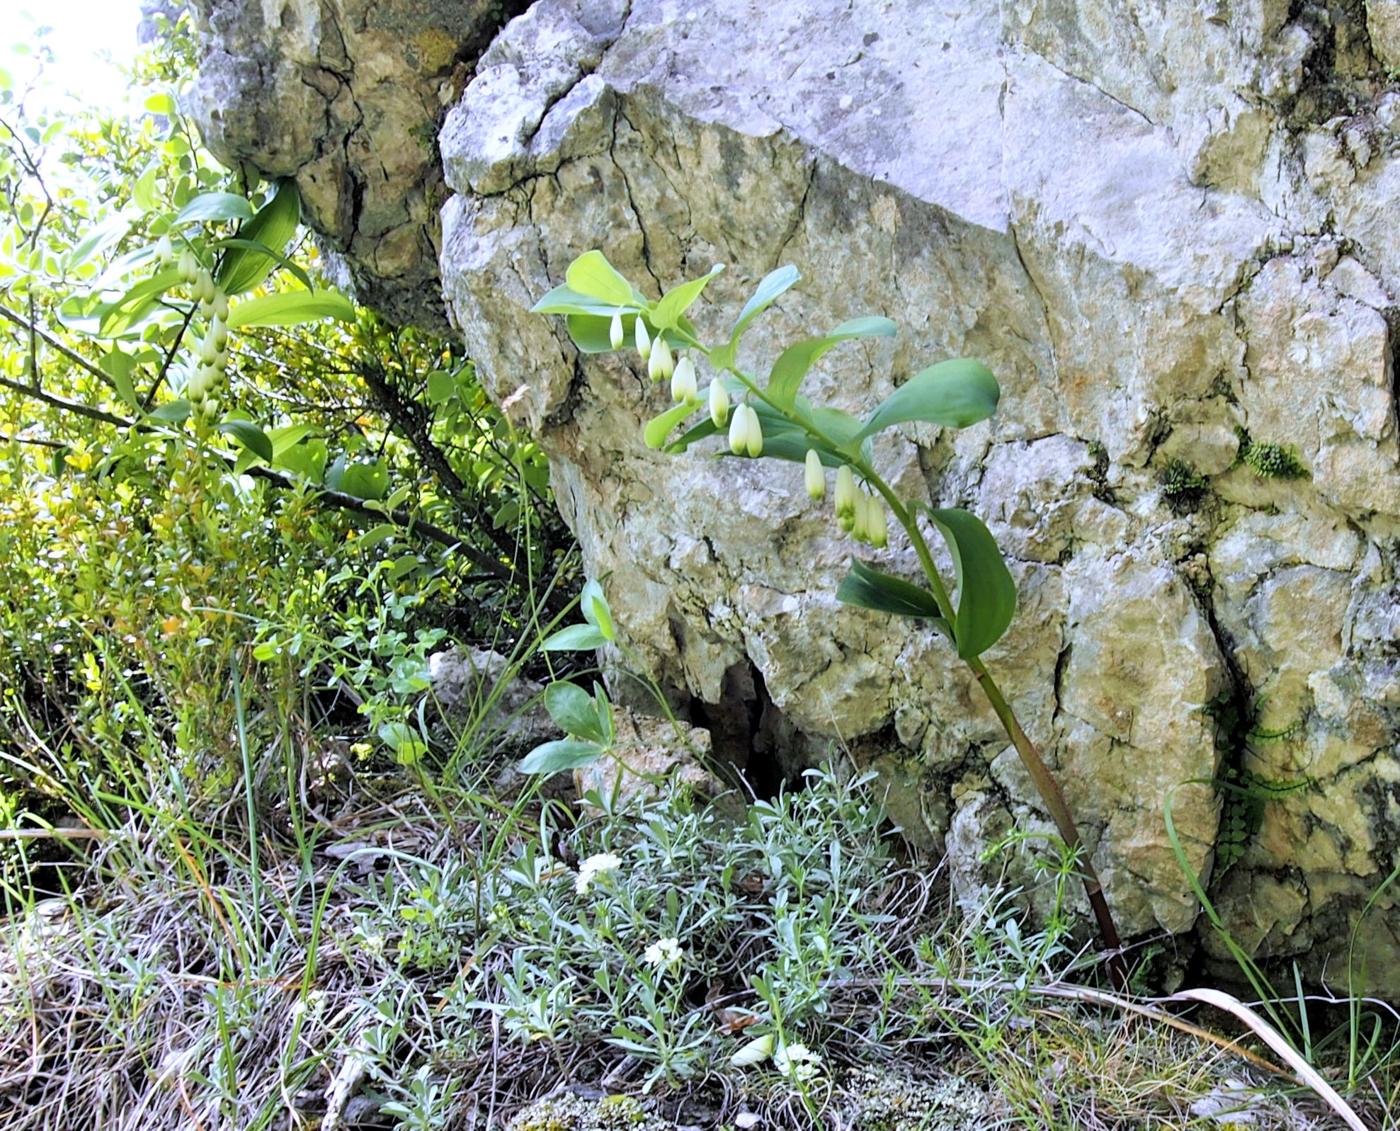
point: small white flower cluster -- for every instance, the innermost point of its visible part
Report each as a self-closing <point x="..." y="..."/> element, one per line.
<point x="592" y="867"/>
<point x="210" y="375"/>
<point x="664" y="954"/>
<point x="797" y="1062"/>
<point x="745" y="429"/>
<point x="858" y="512"/>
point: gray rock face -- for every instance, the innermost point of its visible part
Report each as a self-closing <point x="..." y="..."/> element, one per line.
<point x="345" y="96"/>
<point x="1169" y="229"/>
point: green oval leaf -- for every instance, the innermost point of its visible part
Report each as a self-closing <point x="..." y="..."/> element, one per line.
<point x="591" y="274"/>
<point x="208" y="206"/>
<point x="562" y="754"/>
<point x="290" y="308"/>
<point x="953" y="394"/>
<point x="770" y="288"/>
<point x="276" y="258"/>
<point x="986" y="590"/>
<point x="172" y="412"/>
<point x="306" y="459"/>
<point x="575" y="638"/>
<point x="565" y="300"/>
<point x="596" y="611"/>
<point x="675" y="302"/>
<point x="795" y="361"/>
<point x="659" y="427"/>
<point x="362" y="480"/>
<point x="574" y="711"/>
<point x="869" y="588"/>
<point x="250" y="436"/>
<point x="244" y="267"/>
<point x="441" y="386"/>
<point x="592" y="332"/>
<point x="100" y="238"/>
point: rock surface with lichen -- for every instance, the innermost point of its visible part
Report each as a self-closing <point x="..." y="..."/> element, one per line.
<point x="1167" y="228"/>
<point x="346" y="96"/>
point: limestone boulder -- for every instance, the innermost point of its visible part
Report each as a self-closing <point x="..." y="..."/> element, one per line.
<point x="1168" y="229"/>
<point x="345" y="96"/>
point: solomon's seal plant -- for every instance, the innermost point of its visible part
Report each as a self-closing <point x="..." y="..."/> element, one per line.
<point x="772" y="418"/>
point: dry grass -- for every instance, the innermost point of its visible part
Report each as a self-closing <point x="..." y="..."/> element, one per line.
<point x="175" y="988"/>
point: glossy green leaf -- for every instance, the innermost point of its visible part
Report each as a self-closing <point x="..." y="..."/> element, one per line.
<point x="91" y="314"/>
<point x="306" y="459"/>
<point x="794" y="362"/>
<point x="210" y="206"/>
<point x="986" y="590"/>
<point x="678" y="300"/>
<point x="574" y="711"/>
<point x="769" y="290"/>
<point x="575" y="638"/>
<point x="596" y="611"/>
<point x="119" y="366"/>
<point x="603" y="710"/>
<point x="841" y="428"/>
<point x="592" y="332"/>
<point x="591" y="274"/>
<point x="953" y="394"/>
<point x="565" y="300"/>
<point x="290" y="308"/>
<point x="143" y="192"/>
<point x="701" y="431"/>
<point x="869" y="588"/>
<point x="244" y="267"/>
<point x="173" y="412"/>
<point x="274" y="258"/>
<point x="406" y="743"/>
<point x="163" y="103"/>
<point x="562" y="754"/>
<point x="659" y="427"/>
<point x="441" y="386"/>
<point x="362" y="480"/>
<point x="375" y="536"/>
<point x="99" y="238"/>
<point x="288" y="436"/>
<point x="250" y="436"/>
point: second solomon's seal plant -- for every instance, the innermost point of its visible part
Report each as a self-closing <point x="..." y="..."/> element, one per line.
<point x="773" y="419"/>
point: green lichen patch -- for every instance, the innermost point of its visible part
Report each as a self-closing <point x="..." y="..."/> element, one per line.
<point x="569" y="1111"/>
<point x="878" y="1100"/>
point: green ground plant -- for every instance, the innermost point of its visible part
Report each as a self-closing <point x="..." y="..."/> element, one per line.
<point x="605" y="312"/>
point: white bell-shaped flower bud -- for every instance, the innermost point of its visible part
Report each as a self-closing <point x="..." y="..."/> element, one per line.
<point x="877" y="524"/>
<point x="846" y="495"/>
<point x="219" y="303"/>
<point x="204" y="288"/>
<point x="753" y="434"/>
<point x="738" y="429"/>
<point x="719" y="403"/>
<point x="815" y="475"/>
<point x="615" y="330"/>
<point x="164" y="251"/>
<point x="208" y="350"/>
<point x="189" y="266"/>
<point x="218" y="331"/>
<point x="643" y="339"/>
<point x="661" y="364"/>
<point x="683" y="383"/>
<point x="860" y="528"/>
